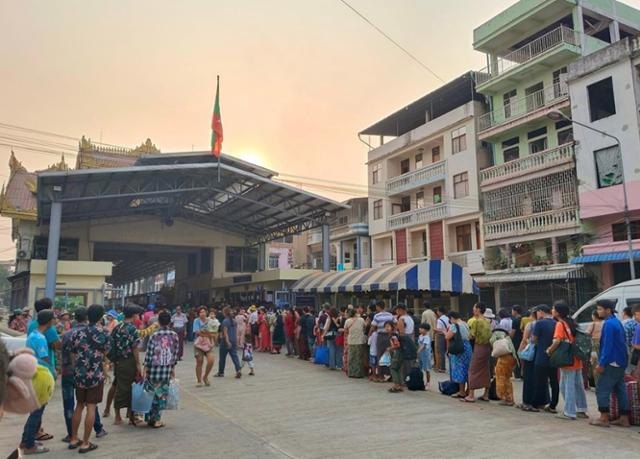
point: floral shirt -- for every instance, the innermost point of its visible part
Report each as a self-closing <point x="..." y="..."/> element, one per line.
<point x="89" y="344"/>
<point x="124" y="339"/>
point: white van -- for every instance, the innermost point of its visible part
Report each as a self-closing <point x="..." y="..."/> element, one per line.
<point x="623" y="294"/>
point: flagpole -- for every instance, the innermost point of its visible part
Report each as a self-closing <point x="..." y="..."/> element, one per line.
<point x="217" y="92"/>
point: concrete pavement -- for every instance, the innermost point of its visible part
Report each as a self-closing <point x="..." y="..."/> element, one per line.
<point x="296" y="409"/>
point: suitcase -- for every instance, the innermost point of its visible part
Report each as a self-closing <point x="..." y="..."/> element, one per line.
<point x="633" y="394"/>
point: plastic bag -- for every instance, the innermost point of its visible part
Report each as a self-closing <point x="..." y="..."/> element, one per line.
<point x="141" y="397"/>
<point x="385" y="360"/>
<point x="173" y="397"/>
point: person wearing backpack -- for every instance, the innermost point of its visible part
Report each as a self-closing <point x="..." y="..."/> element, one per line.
<point x="571" y="386"/>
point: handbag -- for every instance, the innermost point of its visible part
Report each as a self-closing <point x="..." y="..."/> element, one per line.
<point x="500" y="348"/>
<point x="562" y="356"/>
<point x="456" y="346"/>
<point x="173" y="396"/>
<point x="142" y="395"/>
<point x="528" y="353"/>
<point x="202" y="343"/>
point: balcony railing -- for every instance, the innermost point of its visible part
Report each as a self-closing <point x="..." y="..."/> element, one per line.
<point x="531" y="163"/>
<point x="472" y="260"/>
<point x="557" y="37"/>
<point x="416" y="216"/>
<point x="522" y="106"/>
<point x="534" y="223"/>
<point x="428" y="174"/>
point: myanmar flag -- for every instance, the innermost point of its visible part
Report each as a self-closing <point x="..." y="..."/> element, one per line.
<point x="216" y="125"/>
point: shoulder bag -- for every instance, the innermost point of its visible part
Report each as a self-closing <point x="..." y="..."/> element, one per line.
<point x="456" y="346"/>
<point x="562" y="356"/>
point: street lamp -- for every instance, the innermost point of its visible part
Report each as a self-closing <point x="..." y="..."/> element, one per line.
<point x="557" y="115"/>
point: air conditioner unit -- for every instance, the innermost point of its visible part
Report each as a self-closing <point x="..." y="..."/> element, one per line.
<point x="23" y="255"/>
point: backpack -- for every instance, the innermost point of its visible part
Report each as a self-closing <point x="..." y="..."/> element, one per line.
<point x="582" y="346"/>
<point x="448" y="387"/>
<point x="415" y="380"/>
<point x="408" y="348"/>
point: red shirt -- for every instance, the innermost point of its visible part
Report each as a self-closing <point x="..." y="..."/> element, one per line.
<point x="289" y="324"/>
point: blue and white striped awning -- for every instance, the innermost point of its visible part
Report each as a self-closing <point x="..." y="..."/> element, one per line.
<point x="431" y="275"/>
<point x="607" y="256"/>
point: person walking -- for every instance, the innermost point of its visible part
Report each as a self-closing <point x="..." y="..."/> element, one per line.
<point x="612" y="362"/>
<point x="442" y="325"/>
<point x="88" y="346"/>
<point x="67" y="377"/>
<point x="459" y="363"/>
<point x="160" y="361"/>
<point x="206" y="333"/>
<point x="229" y="344"/>
<point x="545" y="375"/>
<point x="480" y="367"/>
<point x="357" y="344"/>
<point x="124" y="354"/>
<point x="571" y="386"/>
<point x="179" y="324"/>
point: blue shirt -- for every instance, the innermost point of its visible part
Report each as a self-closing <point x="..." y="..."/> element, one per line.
<point x="51" y="335"/>
<point x="543" y="330"/>
<point x="613" y="347"/>
<point x="37" y="342"/>
<point x="230" y="325"/>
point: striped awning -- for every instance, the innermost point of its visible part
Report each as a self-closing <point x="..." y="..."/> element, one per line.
<point x="575" y="272"/>
<point x="607" y="256"/>
<point x="431" y="275"/>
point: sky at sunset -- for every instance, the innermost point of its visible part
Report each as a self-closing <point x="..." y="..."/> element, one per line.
<point x="299" y="78"/>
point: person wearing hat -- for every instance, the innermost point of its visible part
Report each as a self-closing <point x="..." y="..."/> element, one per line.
<point x="491" y="317"/>
<point x="112" y="320"/>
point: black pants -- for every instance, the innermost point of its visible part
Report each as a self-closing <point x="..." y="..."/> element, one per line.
<point x="546" y="376"/>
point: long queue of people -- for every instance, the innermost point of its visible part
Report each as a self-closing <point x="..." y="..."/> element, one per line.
<point x="544" y="347"/>
<point x="81" y="352"/>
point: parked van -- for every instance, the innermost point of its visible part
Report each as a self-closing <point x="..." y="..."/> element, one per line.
<point x="623" y="294"/>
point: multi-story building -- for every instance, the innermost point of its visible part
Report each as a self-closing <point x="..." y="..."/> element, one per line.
<point x="604" y="89"/>
<point x="530" y="193"/>
<point x="423" y="183"/>
<point x="349" y="238"/>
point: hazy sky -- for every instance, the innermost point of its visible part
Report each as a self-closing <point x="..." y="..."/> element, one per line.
<point x="299" y="78"/>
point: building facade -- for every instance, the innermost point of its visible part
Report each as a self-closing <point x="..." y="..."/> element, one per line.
<point x="423" y="182"/>
<point x="532" y="225"/>
<point x="604" y="89"/>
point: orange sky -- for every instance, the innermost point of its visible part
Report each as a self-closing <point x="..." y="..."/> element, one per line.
<point x="299" y="78"/>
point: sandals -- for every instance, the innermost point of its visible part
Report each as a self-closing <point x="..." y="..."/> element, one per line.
<point x="37" y="449"/>
<point x="530" y="409"/>
<point x="44" y="437"/>
<point x="206" y="382"/>
<point x="395" y="390"/>
<point x="89" y="448"/>
<point x="156" y="425"/>
<point x="548" y="409"/>
<point x="466" y="400"/>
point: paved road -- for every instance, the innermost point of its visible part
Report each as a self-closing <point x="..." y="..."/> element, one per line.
<point x="295" y="409"/>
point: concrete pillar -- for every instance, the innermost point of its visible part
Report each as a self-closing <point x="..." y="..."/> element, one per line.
<point x="326" y="252"/>
<point x="52" y="249"/>
<point x="262" y="255"/>
<point x="358" y="253"/>
<point x="614" y="31"/>
<point x="493" y="65"/>
<point x="578" y="26"/>
<point x="554" y="250"/>
<point x="496" y="296"/>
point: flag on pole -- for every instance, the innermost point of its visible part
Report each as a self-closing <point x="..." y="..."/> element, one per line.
<point x="216" y="125"/>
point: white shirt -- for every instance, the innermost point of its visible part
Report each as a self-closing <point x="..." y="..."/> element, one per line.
<point x="408" y="325"/>
<point x="178" y="320"/>
<point x="442" y="324"/>
<point x="253" y="317"/>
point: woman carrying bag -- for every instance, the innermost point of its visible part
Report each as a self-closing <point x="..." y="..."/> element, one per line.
<point x="459" y="352"/>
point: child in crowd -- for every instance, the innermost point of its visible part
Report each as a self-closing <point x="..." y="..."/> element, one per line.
<point x="424" y="352"/>
<point x="396" y="357"/>
<point x="247" y="356"/>
<point x="373" y="355"/>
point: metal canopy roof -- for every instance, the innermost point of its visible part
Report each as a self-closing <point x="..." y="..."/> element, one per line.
<point x="444" y="99"/>
<point x="242" y="201"/>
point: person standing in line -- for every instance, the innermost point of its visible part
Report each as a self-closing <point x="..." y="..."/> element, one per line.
<point x="459" y="362"/>
<point x="330" y="333"/>
<point x="424" y="352"/>
<point x="442" y="326"/>
<point x="264" y="332"/>
<point x="67" y="379"/>
<point x="395" y="353"/>
<point x="571" y="386"/>
<point x="429" y="317"/>
<point x="289" y="330"/>
<point x="612" y="362"/>
<point x="88" y="348"/>
<point x="528" y="367"/>
<point x="179" y="325"/>
<point x="381" y="317"/>
<point x="277" y="332"/>
<point x="629" y="324"/>
<point x="242" y="321"/>
<point x="52" y="336"/>
<point x="125" y="341"/>
<point x="357" y="344"/>
<point x="516" y="335"/>
<point x="306" y="331"/>
<point x="159" y="366"/>
<point x="505" y="365"/>
<point x="37" y="342"/>
<point x="545" y="375"/>
<point x="253" y="327"/>
<point x="406" y="332"/>
<point x="229" y="344"/>
<point x="479" y="369"/>
<point x="595" y="330"/>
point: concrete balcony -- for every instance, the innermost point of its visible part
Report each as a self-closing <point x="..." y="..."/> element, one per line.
<point x="550" y="160"/>
<point x="555" y="220"/>
<point x="349" y="231"/>
<point x="548" y="51"/>
<point x="472" y="260"/>
<point x="429" y="174"/>
<point x="523" y="110"/>
<point x="314" y="237"/>
<point x="417" y="216"/>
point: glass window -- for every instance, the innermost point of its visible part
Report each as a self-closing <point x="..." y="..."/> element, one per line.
<point x="419" y="161"/>
<point x="435" y="154"/>
<point x="241" y="259"/>
<point x="274" y="261"/>
<point x="205" y="260"/>
<point x="538" y="145"/>
<point x="420" y="199"/>
<point x="461" y="185"/>
<point x="459" y="140"/>
<point x="463" y="238"/>
<point x="507" y="99"/>
<point x="619" y="231"/>
<point x="376" y="173"/>
<point x="601" y="100"/>
<point x="404" y="166"/>
<point x="511" y="154"/>
<point x="377" y="209"/>
<point x="405" y="202"/>
<point x="608" y="166"/>
<point x="437" y="194"/>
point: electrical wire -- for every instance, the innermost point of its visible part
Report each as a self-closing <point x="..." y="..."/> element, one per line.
<point x="398" y="45"/>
